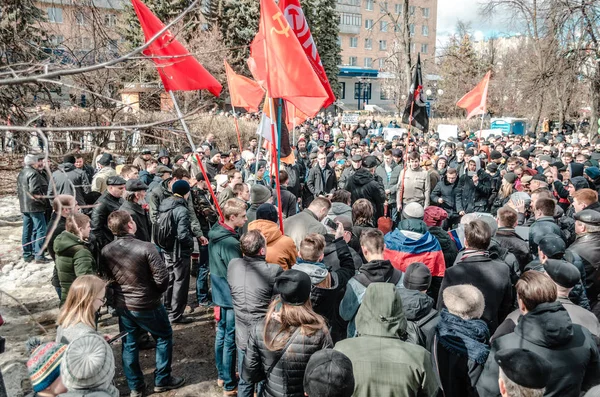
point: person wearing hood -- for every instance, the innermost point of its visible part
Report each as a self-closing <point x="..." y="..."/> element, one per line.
<point x="414" y="184"/>
<point x="70" y="181"/>
<point x="164" y="159"/>
<point x="341" y="200"/>
<point x="444" y="195"/>
<point x="389" y="172"/>
<point x="328" y="285"/>
<point x="546" y="328"/>
<point x="280" y="248"/>
<point x="473" y="189"/>
<point x="376" y="270"/>
<point x="252" y="280"/>
<point x="383" y="363"/>
<point x="461" y="342"/>
<point x="363" y="185"/>
<point x="418" y="307"/>
<point x="223" y="247"/>
<point x="259" y="195"/>
<point x="475" y="266"/>
<point x="434" y="218"/>
<point x="178" y="260"/>
<point x="592" y="174"/>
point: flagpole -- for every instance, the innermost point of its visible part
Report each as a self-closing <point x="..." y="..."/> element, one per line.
<point x="274" y="146"/>
<point x="191" y="142"/>
<point x="479" y="135"/>
<point x="237" y="128"/>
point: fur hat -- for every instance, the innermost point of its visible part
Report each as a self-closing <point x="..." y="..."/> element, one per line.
<point x="464" y="301"/>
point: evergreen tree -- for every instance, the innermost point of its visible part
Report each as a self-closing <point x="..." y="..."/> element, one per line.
<point x="325" y="30"/>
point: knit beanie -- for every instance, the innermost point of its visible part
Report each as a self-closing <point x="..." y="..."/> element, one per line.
<point x="268" y="212"/>
<point x="592" y="172"/>
<point x="259" y="194"/>
<point x="417" y="277"/>
<point x="510" y="177"/>
<point x="434" y="216"/>
<point x="44" y="362"/>
<point x="181" y="188"/>
<point x="69" y="158"/>
<point x="329" y="373"/>
<point x="88" y="364"/>
<point x="413" y="211"/>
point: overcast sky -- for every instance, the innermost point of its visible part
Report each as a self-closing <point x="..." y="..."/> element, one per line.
<point x="450" y="11"/>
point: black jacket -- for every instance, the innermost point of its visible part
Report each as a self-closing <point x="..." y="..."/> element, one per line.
<point x="184" y="243"/>
<point x="141" y="218"/>
<point x="587" y="246"/>
<point x="319" y="183"/>
<point x="363" y="185"/>
<point x="139" y="273"/>
<point x="205" y="212"/>
<point x="491" y="277"/>
<point x="421" y="316"/>
<point x="330" y="254"/>
<point x="510" y="240"/>
<point x="286" y="378"/>
<point x="447" y="192"/>
<point x="30" y="183"/>
<point x="548" y="331"/>
<point x="289" y="204"/>
<point x="542" y="227"/>
<point x="448" y="246"/>
<point x="471" y="198"/>
<point x="71" y="181"/>
<point x="106" y="205"/>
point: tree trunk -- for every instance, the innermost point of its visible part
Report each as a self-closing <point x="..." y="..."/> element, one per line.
<point x="538" y="112"/>
<point x="406" y="43"/>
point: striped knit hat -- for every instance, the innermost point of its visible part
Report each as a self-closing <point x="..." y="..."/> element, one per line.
<point x="44" y="363"/>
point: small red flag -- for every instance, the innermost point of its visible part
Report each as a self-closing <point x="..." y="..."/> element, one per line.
<point x="178" y="69"/>
<point x="244" y="92"/>
<point x="279" y="61"/>
<point x="295" y="17"/>
<point x="475" y="100"/>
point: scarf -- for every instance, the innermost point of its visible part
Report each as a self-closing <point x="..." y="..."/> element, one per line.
<point x="468" y="338"/>
<point x="470" y="252"/>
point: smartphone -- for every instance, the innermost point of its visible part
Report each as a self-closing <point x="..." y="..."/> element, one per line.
<point x="331" y="223"/>
<point x="117" y="337"/>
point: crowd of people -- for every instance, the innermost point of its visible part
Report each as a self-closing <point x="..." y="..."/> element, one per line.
<point x="407" y="266"/>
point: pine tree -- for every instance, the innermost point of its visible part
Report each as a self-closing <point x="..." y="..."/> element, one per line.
<point x="325" y="30"/>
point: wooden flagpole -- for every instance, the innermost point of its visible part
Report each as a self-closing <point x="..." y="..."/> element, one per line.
<point x="276" y="149"/>
<point x="237" y="128"/>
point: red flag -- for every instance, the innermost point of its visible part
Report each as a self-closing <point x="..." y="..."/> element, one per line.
<point x="244" y="92"/>
<point x="475" y="100"/>
<point x="295" y="17"/>
<point x="279" y="60"/>
<point x="178" y="69"/>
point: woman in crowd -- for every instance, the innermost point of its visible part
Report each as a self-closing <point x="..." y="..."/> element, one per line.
<point x="78" y="315"/>
<point x="507" y="188"/>
<point x="281" y="345"/>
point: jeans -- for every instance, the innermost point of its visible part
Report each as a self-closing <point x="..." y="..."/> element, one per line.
<point x="202" y="279"/>
<point x="179" y="284"/>
<point x="225" y="349"/>
<point x="34" y="228"/>
<point x="245" y="389"/>
<point x="156" y="322"/>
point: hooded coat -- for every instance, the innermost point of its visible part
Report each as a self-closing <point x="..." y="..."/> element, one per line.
<point x="280" y="248"/>
<point x="70" y="181"/>
<point x="421" y="315"/>
<point x="548" y="331"/>
<point x="471" y="198"/>
<point x="362" y="185"/>
<point x="223" y="246"/>
<point x="383" y="363"/>
<point x="73" y="259"/>
<point x="338" y="209"/>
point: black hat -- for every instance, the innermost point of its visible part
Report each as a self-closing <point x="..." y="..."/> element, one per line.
<point x="268" y="212"/>
<point x="161" y="169"/>
<point x="329" y="373"/>
<point x="589" y="217"/>
<point x="559" y="166"/>
<point x="495" y="155"/>
<point x="200" y="177"/>
<point x="525" y="154"/>
<point x="293" y="286"/>
<point x="320" y="142"/>
<point x="552" y="245"/>
<point x="562" y="272"/>
<point x="146" y="151"/>
<point x="115" y="181"/>
<point x="187" y="150"/>
<point x="417" y="277"/>
<point x="181" y="188"/>
<point x="370" y="162"/>
<point x="69" y="158"/>
<point x="492" y="167"/>
<point x="135" y="185"/>
<point x="105" y="160"/>
<point x="539" y="177"/>
<point x="214" y="152"/>
<point x="356" y="157"/>
<point x="469" y="152"/>
<point x="510" y="177"/>
<point x="524" y="367"/>
<point x="177" y="158"/>
<point x="396" y="152"/>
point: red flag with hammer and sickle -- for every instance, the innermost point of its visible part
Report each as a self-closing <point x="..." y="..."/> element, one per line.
<point x="178" y="69"/>
<point x="279" y="63"/>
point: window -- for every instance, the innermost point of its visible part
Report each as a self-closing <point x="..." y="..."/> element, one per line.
<point x="353" y="42"/>
<point x="383" y="7"/>
<point x="362" y="91"/>
<point x="411" y="29"/>
<point x="381" y="63"/>
<point x="353" y="61"/>
<point x="425" y="12"/>
<point x="368" y="44"/>
<point x="85" y="43"/>
<point x="382" y="45"/>
<point x="339" y="40"/>
<point x="110" y="20"/>
<point x="424" y="48"/>
<point x="342" y="94"/>
<point x="368" y="62"/>
<point x="385" y="95"/>
<point x="368" y="24"/>
<point x="412" y="47"/>
<point x="350" y="19"/>
<point x="55" y="15"/>
<point x="398" y="8"/>
<point x="425" y="30"/>
<point x="369" y="5"/>
<point x="79" y="18"/>
<point x="411" y="10"/>
<point x="350" y="2"/>
<point x="383" y="26"/>
<point x="57" y="40"/>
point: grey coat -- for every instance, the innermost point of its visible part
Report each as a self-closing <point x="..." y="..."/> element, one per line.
<point x="301" y="224"/>
<point x="72" y="181"/>
<point x="390" y="183"/>
<point x="31" y="183"/>
<point x="251" y="281"/>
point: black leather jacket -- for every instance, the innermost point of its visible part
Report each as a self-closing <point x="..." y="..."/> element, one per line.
<point x="587" y="246"/>
<point x="106" y="205"/>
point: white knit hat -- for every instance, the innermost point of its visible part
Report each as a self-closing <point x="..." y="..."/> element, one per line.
<point x="88" y="363"/>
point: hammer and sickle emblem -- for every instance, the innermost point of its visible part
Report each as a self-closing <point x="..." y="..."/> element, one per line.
<point x="285" y="27"/>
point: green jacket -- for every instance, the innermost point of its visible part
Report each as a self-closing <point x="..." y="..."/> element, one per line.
<point x="73" y="259"/>
<point x="223" y="246"/>
<point x="384" y="365"/>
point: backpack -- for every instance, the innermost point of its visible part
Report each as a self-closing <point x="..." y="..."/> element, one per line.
<point x="164" y="232"/>
<point x="415" y="332"/>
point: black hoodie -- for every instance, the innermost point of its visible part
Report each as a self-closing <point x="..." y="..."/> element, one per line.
<point x="362" y="184"/>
